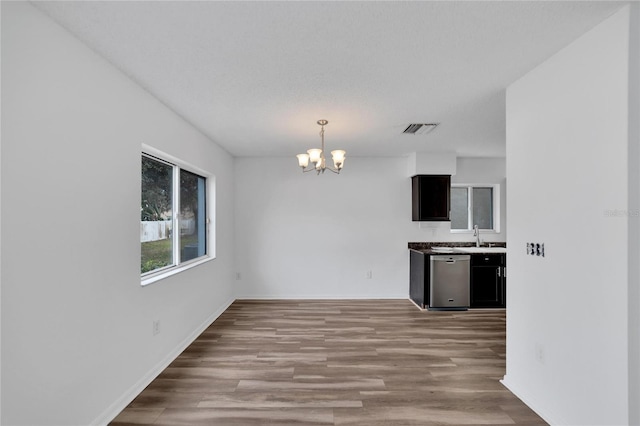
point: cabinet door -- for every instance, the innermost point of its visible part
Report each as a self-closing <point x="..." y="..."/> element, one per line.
<point x="431" y="197"/>
<point x="487" y="287"/>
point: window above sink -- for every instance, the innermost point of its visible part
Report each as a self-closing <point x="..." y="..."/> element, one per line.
<point x="475" y="204"/>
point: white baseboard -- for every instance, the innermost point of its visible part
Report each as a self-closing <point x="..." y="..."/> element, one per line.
<point x="114" y="409"/>
<point x="531" y="402"/>
<point x="416" y="305"/>
<point x="319" y="297"/>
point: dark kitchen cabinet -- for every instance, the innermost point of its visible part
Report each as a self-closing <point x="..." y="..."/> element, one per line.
<point x="430" y="196"/>
<point x="488" y="281"/>
<point x="418" y="273"/>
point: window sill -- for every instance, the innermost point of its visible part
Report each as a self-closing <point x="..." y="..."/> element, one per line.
<point x="470" y="231"/>
<point x="173" y="271"/>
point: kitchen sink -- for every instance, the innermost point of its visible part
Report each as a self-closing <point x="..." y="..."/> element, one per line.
<point x="442" y="249"/>
<point x="481" y="249"/>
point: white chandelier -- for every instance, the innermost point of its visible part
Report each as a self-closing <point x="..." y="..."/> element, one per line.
<point x="316" y="156"/>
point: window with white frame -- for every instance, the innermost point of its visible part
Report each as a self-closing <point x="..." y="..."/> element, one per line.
<point x="173" y="216"/>
<point x="475" y="205"/>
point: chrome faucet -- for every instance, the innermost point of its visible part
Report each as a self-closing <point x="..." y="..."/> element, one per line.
<point x="476" y="233"/>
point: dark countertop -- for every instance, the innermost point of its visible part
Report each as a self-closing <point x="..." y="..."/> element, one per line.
<point x="425" y="248"/>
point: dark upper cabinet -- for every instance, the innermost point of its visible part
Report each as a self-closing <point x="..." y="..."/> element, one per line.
<point x="430" y="196"/>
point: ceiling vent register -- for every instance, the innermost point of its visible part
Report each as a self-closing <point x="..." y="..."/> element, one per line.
<point x="420" y="129"/>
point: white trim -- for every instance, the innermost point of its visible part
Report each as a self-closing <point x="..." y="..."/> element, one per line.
<point x="176" y="235"/>
<point x="470" y="231"/>
<point x="532" y="403"/>
<point x="168" y="158"/>
<point x="416" y="305"/>
<point x="319" y="297"/>
<point x="166" y="273"/>
<point x="114" y="409"/>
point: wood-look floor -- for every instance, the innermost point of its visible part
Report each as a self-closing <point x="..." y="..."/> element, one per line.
<point x="337" y="362"/>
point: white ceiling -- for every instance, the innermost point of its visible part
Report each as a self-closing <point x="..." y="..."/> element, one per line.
<point x="256" y="76"/>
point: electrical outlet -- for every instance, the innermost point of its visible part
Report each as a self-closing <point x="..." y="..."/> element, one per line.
<point x="369" y="275"/>
<point x="156" y="327"/>
<point x="539" y="353"/>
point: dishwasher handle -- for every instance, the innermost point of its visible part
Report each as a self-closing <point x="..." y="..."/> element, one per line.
<point x="451" y="260"/>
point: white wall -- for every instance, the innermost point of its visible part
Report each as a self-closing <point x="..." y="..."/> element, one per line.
<point x="305" y="236"/>
<point x="0" y="240"/>
<point x="634" y="222"/>
<point x="567" y="166"/>
<point x="76" y="324"/>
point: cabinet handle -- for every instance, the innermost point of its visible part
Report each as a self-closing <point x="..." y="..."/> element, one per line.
<point x="498" y="272"/>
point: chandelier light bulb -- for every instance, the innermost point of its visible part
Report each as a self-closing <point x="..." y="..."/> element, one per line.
<point x="314" y="155"/>
<point x="338" y="158"/>
<point x="303" y="160"/>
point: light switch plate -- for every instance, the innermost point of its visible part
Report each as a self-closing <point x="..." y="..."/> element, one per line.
<point x="535" y="249"/>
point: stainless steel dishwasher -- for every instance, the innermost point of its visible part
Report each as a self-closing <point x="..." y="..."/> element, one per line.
<point x="449" y="282"/>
